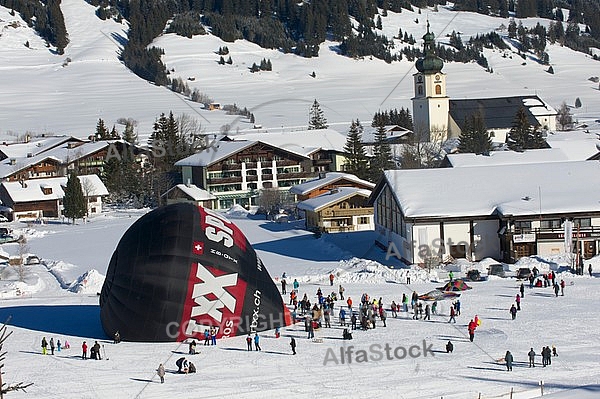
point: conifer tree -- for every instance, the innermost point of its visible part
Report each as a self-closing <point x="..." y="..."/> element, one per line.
<point x="74" y="203"/>
<point x="101" y="130"/>
<point x="474" y="137"/>
<point x="316" y="117"/>
<point x="536" y="139"/>
<point x="519" y="135"/>
<point x="354" y="151"/>
<point x="129" y="134"/>
<point x="382" y="155"/>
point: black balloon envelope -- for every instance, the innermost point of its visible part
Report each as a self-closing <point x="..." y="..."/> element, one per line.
<point x="182" y="269"/>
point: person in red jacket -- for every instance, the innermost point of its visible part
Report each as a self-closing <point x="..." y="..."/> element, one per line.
<point x="472" y="327"/>
<point x="84" y="350"/>
<point x="331" y="277"/>
<point x="349" y="302"/>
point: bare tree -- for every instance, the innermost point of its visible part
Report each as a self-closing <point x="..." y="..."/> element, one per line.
<point x="270" y="199"/>
<point x="424" y="150"/>
<point x="4" y="388"/>
<point x="564" y="117"/>
<point x="20" y="263"/>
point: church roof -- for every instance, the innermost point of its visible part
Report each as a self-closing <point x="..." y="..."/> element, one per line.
<point x="499" y="112"/>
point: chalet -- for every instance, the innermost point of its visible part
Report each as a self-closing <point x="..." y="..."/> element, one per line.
<point x="500" y="211"/>
<point x="235" y="171"/>
<point x="339" y="210"/>
<point x="38" y="198"/>
<point x="396" y="138"/>
<point x="327" y="182"/>
<point x="189" y="193"/>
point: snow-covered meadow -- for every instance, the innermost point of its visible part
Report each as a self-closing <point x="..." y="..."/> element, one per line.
<point x="60" y="301"/>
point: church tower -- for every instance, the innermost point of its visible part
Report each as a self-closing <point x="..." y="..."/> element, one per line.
<point x="430" y="103"/>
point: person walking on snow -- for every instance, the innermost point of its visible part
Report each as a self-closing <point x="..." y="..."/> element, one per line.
<point x="331" y="277"/>
<point x="531" y="356"/>
<point x="293" y="345"/>
<point x="452" y="314"/>
<point x="58" y="345"/>
<point x="341" y="291"/>
<point x="451" y="276"/>
<point x="160" y="371"/>
<point x="562" y="287"/>
<point x="518" y="301"/>
<point x="52" y="346"/>
<point x="522" y="290"/>
<point x="296" y="285"/>
<point x="44" y="345"/>
<point x="84" y="348"/>
<point x="472" y="326"/>
<point x="590" y="269"/>
<point x="342" y="317"/>
<point x="283" y="284"/>
<point x="556" y="290"/>
<point x="513" y="311"/>
<point x="257" y="342"/>
<point x="509" y="360"/>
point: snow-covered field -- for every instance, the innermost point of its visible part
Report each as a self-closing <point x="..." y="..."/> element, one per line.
<point x="60" y="301"/>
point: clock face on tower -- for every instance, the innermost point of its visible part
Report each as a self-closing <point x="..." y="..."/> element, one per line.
<point x="437" y="77"/>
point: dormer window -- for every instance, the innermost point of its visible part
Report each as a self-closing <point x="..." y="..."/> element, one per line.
<point x="47" y="190"/>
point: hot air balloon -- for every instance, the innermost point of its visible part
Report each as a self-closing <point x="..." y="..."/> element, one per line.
<point x="181" y="269"/>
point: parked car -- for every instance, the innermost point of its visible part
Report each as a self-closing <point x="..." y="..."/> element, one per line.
<point x="496" y="270"/>
<point x="523" y="273"/>
<point x="474" y="275"/>
<point x="32" y="260"/>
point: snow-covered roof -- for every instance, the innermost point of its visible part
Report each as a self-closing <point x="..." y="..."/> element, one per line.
<point x="194" y="192"/>
<point x="332" y="197"/>
<point x="303" y="142"/>
<point x="392" y="132"/>
<point x="516" y="189"/>
<point x="576" y="145"/>
<point x="330" y="177"/>
<point x="507" y="157"/>
<point x="35" y="146"/>
<point x="31" y="190"/>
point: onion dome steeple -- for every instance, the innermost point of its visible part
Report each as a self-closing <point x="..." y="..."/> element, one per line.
<point x="430" y="63"/>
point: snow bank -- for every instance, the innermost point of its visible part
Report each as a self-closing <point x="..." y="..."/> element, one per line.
<point x="358" y="270"/>
<point x="19" y="289"/>
<point x="66" y="274"/>
<point x="237" y="211"/>
<point x="89" y="282"/>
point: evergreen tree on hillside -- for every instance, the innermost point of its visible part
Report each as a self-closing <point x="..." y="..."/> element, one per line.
<point x="165" y="143"/>
<point x="74" y="203"/>
<point x="129" y="134"/>
<point x="520" y="134"/>
<point x="536" y="139"/>
<point x="382" y="155"/>
<point x="474" y="137"/>
<point x="354" y="151"/>
<point x="316" y="117"/>
<point x="101" y="130"/>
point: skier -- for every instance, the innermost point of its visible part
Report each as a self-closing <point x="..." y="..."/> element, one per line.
<point x="449" y="347"/>
<point x="84" y="350"/>
<point x="452" y="314"/>
<point x="249" y="342"/>
<point x="531" y="355"/>
<point x="472" y="326"/>
<point x="522" y="289"/>
<point x="518" y="301"/>
<point x="327" y="319"/>
<point x="160" y="371"/>
<point x="509" y="360"/>
<point x="52" y="346"/>
<point x="283" y="284"/>
<point x="293" y="345"/>
<point x="341" y="291"/>
<point x="513" y="311"/>
<point x="256" y="342"/>
<point x="44" y="345"/>
<point x="562" y="287"/>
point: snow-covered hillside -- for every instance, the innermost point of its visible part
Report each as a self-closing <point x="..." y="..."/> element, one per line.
<point x="43" y="92"/>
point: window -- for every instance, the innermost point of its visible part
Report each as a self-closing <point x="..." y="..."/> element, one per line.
<point x="521" y="225"/>
<point x="550" y="224"/>
<point x="582" y="222"/>
<point x="420" y="90"/>
<point x="363" y="220"/>
<point x="438" y="89"/>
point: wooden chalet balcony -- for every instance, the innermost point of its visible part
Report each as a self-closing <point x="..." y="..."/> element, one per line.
<point x="295" y="175"/>
<point x="251" y="178"/>
<point x="347" y="212"/>
<point x="250" y="165"/>
<point x="44" y="169"/>
<point x="321" y="161"/>
<point x="287" y="162"/>
<point x="225" y="180"/>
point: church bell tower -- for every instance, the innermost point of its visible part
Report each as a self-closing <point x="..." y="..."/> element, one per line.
<point x="431" y="105"/>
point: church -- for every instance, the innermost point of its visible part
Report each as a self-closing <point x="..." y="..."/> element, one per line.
<point x="443" y="118"/>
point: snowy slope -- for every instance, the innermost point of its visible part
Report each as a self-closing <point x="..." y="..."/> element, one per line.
<point x="40" y="95"/>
